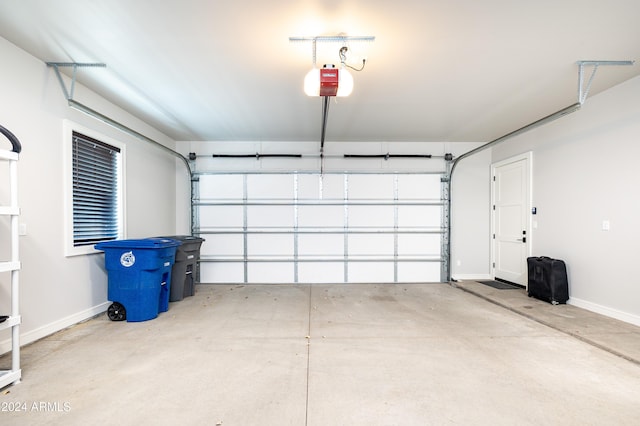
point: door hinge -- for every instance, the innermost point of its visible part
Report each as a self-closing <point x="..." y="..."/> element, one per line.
<point x="494" y="207"/>
<point x="494" y="236"/>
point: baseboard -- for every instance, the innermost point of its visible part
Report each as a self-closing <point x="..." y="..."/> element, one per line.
<point x="61" y="324"/>
<point x="471" y="277"/>
<point x="603" y="310"/>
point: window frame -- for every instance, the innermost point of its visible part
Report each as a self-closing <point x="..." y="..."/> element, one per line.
<point x="68" y="129"/>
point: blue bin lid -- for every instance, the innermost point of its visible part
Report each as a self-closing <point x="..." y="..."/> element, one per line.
<point x="144" y="243"/>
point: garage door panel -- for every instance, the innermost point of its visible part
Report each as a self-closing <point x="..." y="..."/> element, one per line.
<point x="221" y="187"/>
<point x="260" y="246"/>
<point x="371" y="245"/>
<point x="332" y="186"/>
<point x="419" y="187"/>
<point x="419" y="216"/>
<point x="318" y="216"/>
<point x="271" y="272"/>
<point x="419" y="272"/>
<point x="309" y="187"/>
<point x="270" y="216"/>
<point x="321" y="272"/>
<point x="221" y="217"/>
<point x="320" y="245"/>
<point x="371" y="216"/>
<point x="270" y="187"/>
<point x="371" y="187"/>
<point x="223" y="245"/>
<point x="220" y="272"/>
<point x="419" y="245"/>
<point x="371" y="272"/>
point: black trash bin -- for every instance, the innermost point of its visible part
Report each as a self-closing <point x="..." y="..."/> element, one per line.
<point x="184" y="268"/>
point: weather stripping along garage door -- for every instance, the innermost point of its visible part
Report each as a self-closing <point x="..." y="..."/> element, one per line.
<point x="312" y="228"/>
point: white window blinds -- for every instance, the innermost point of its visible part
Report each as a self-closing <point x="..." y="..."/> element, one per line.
<point x="95" y="191"/>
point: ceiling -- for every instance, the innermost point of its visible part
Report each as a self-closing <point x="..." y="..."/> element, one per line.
<point x="447" y="71"/>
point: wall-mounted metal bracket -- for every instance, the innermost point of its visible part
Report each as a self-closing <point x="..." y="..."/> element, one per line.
<point x="582" y="97"/>
<point x="583" y="91"/>
<point x="68" y="94"/>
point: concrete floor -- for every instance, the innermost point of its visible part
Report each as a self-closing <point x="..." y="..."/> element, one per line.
<point x="418" y="354"/>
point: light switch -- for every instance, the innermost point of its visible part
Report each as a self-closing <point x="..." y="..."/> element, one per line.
<point x="606" y="225"/>
<point x="22" y="229"/>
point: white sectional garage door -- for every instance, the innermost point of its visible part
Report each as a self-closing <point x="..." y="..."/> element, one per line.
<point x="313" y="228"/>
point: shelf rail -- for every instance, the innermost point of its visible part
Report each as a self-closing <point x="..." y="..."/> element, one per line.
<point x="13" y="321"/>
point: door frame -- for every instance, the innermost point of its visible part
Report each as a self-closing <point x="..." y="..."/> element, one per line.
<point x="528" y="157"/>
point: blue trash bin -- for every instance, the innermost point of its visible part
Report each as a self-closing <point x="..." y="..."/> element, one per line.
<point x="139" y="276"/>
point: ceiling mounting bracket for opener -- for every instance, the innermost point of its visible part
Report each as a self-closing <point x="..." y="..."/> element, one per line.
<point x="332" y="39"/>
<point x="68" y="94"/>
<point x="583" y="91"/>
<point x="344" y="39"/>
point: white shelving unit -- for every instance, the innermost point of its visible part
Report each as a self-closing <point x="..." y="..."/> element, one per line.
<point x="12" y="265"/>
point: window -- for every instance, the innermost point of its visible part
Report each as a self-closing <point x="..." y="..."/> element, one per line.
<point x="95" y="209"/>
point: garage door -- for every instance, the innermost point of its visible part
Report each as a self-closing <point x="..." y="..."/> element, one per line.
<point x="319" y="228"/>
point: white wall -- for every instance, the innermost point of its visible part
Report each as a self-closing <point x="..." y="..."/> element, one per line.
<point x="57" y="291"/>
<point x="471" y="216"/>
<point x="585" y="171"/>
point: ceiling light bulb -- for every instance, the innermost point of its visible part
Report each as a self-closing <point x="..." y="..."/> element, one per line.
<point x="312" y="82"/>
<point x="345" y="82"/>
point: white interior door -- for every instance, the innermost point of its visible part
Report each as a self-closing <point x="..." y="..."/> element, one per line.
<point x="511" y="194"/>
